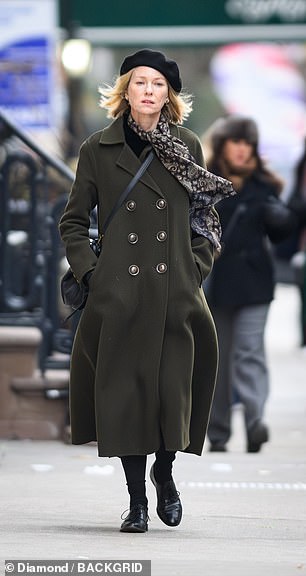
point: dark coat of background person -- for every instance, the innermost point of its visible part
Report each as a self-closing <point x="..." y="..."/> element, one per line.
<point x="244" y="274"/>
<point x="295" y="242"/>
<point x="145" y="352"/>
<point x="293" y="249"/>
<point x="297" y="199"/>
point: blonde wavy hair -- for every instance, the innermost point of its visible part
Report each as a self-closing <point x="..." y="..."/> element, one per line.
<point x="112" y="98"/>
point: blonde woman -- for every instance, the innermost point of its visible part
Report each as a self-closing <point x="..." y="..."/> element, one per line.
<point x="144" y="359"/>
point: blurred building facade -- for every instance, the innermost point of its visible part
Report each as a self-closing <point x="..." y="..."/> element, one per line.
<point x="197" y="39"/>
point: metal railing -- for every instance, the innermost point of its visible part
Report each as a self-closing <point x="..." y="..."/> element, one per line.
<point x="30" y="248"/>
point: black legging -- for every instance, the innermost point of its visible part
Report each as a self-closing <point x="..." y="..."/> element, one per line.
<point x="135" y="470"/>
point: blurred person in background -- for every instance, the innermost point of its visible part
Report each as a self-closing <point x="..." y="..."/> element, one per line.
<point x="298" y="240"/>
<point x="242" y="283"/>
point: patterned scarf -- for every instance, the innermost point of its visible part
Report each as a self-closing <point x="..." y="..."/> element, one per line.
<point x="204" y="188"/>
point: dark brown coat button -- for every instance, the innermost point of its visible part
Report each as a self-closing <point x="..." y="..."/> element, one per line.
<point x="131" y="205"/>
<point x="161" y="268"/>
<point x="133" y="238"/>
<point x="161" y="236"/>
<point x="134" y="270"/>
<point x="161" y="204"/>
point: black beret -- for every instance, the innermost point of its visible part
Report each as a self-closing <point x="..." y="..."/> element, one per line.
<point x="157" y="60"/>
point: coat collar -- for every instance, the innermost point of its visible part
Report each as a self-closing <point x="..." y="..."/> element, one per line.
<point x="126" y="159"/>
<point x="113" y="133"/>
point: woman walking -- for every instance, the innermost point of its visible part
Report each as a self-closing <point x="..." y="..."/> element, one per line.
<point x="242" y="284"/>
<point x="144" y="358"/>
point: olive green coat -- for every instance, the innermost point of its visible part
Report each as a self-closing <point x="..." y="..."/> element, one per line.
<point x="145" y="353"/>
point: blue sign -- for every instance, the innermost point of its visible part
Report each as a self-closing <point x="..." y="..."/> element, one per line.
<point x="26" y="61"/>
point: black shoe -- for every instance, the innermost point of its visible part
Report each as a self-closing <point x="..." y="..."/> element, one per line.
<point x="217" y="448"/>
<point x="169" y="507"/>
<point x="257" y="436"/>
<point x="137" y="519"/>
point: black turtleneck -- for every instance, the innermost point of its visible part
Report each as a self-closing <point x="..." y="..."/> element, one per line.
<point x="132" y="139"/>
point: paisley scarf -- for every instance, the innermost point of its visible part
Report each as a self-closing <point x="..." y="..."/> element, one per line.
<point x="204" y="188"/>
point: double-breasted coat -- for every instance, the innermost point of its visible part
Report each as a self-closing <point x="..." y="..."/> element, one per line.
<point x="144" y="357"/>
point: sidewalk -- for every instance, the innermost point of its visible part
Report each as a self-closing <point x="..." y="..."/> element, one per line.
<point x="244" y="514"/>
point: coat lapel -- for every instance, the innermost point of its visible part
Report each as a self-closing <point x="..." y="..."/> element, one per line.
<point x="129" y="162"/>
<point x="126" y="159"/>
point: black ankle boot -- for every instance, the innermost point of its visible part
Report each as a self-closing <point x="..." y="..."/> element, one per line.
<point x="169" y="507"/>
<point x="137" y="519"/>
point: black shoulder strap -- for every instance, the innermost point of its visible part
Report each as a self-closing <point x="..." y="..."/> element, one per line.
<point x="127" y="190"/>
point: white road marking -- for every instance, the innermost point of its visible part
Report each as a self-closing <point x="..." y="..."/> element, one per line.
<point x="296" y="486"/>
